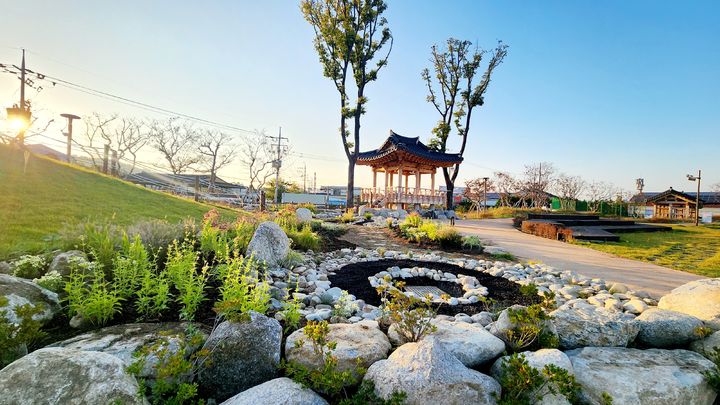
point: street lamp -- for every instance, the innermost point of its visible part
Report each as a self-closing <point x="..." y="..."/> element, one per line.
<point x="697" y="196"/>
<point x="18" y="118"/>
<point x="69" y="133"/>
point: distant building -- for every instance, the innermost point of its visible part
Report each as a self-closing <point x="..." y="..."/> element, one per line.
<point x="673" y="204"/>
<point x="184" y="184"/>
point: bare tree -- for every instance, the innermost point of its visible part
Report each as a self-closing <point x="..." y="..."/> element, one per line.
<point x="598" y="192"/>
<point x="568" y="189"/>
<point x="218" y="151"/>
<point x="537" y="180"/>
<point x="506" y="185"/>
<point x="455" y="94"/>
<point x="256" y="156"/>
<point x="176" y="141"/>
<point x="476" y="191"/>
<point x="94" y="137"/>
<point x="716" y="187"/>
<point x="126" y="136"/>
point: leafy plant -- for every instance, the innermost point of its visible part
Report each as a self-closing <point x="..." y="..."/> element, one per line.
<point x="368" y="216"/>
<point x="523" y="384"/>
<point x="52" y="281"/>
<point x="187" y="280"/>
<point x="471" y="242"/>
<point x="503" y="256"/>
<point x="158" y="234"/>
<point x="348" y="216"/>
<point x="606" y="399"/>
<point x="244" y="231"/>
<point x="327" y="379"/>
<point x="89" y="295"/>
<point x="291" y="315"/>
<point x="174" y="370"/>
<point x="549" y="302"/>
<point x="304" y="239"/>
<point x="13" y="336"/>
<point x="292" y="260"/>
<point x="413" y="220"/>
<point x="29" y="266"/>
<point x="344" y="306"/>
<point x="529" y="290"/>
<point x="529" y="328"/>
<point x="153" y="296"/>
<point x="713" y="376"/>
<point x="448" y="237"/>
<point x="129" y="267"/>
<point x="365" y="395"/>
<point x="241" y="290"/>
<point x="411" y="316"/>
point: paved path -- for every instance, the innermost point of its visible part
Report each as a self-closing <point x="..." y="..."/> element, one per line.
<point x="637" y="275"/>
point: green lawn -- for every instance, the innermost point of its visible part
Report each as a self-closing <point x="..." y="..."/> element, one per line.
<point x="687" y="248"/>
<point x="49" y="194"/>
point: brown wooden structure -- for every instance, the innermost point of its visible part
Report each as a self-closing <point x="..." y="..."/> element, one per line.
<point x="400" y="157"/>
<point x="673" y="204"/>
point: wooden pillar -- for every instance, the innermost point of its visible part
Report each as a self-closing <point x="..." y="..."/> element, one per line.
<point x="400" y="174"/>
<point x="374" y="178"/>
<point x="385" y="199"/>
<point x="417" y="182"/>
<point x="407" y="177"/>
<point x="432" y="181"/>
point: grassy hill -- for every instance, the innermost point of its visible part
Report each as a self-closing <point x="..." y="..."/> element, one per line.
<point x="49" y="194"/>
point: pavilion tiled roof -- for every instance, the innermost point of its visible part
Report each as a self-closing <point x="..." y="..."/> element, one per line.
<point x="413" y="146"/>
<point x="706" y="197"/>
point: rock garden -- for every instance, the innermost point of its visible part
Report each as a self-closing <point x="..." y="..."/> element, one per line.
<point x="279" y="310"/>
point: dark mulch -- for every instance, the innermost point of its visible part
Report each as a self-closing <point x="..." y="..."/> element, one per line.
<point x="354" y="278"/>
<point x="330" y="239"/>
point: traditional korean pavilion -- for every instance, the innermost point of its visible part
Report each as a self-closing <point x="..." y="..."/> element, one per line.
<point x="399" y="157"/>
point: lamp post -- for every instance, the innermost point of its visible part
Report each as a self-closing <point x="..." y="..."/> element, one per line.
<point x="68" y="134"/>
<point x="18" y="115"/>
<point x="697" y="196"/>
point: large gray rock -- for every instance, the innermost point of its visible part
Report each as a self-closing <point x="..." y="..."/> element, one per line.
<point x="66" y="376"/>
<point x="470" y="343"/>
<point x="303" y="214"/>
<point x="17" y="291"/>
<point x="700" y="298"/>
<point x="122" y="341"/>
<point x="269" y="243"/>
<point x="538" y="360"/>
<point x="242" y="355"/>
<point x="61" y="262"/>
<point x="5" y="268"/>
<point x="593" y="326"/>
<point x="632" y="376"/>
<point x="362" y="342"/>
<point x="665" y="328"/>
<point x="278" y="391"/>
<point x="429" y="374"/>
<point x="706" y="346"/>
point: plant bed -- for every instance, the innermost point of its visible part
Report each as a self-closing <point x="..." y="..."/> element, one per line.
<point x="503" y="293"/>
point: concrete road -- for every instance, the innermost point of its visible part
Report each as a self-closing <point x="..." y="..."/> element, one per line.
<point x="637" y="275"/>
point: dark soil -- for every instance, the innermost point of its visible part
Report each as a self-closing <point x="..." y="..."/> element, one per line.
<point x="330" y="239"/>
<point x="354" y="278"/>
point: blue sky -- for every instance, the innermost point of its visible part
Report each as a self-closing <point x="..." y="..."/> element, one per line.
<point x="606" y="90"/>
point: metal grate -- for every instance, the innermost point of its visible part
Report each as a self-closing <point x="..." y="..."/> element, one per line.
<point x="424" y="290"/>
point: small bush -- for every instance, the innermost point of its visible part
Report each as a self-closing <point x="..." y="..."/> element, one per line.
<point x="52" y="281"/>
<point x="344" y="307"/>
<point x="413" y="220"/>
<point x="291" y="315"/>
<point x="411" y="316"/>
<point x="348" y="216"/>
<point x="29" y="266"/>
<point x="158" y="234"/>
<point x="129" y="267"/>
<point x="89" y="295"/>
<point x="365" y="395"/>
<point x="368" y="216"/>
<point x="523" y="384"/>
<point x="713" y="376"/>
<point x="153" y="296"/>
<point x="99" y="240"/>
<point x="244" y="231"/>
<point x="292" y="260"/>
<point x="304" y="239"/>
<point x="328" y="379"/>
<point x="503" y="256"/>
<point x="530" y="329"/>
<point x="448" y="237"/>
<point x="13" y="336"/>
<point x="471" y="242"/>
<point x="529" y="290"/>
<point x="242" y="291"/>
<point x="188" y="281"/>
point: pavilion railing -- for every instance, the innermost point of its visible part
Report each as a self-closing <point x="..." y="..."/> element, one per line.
<point x="380" y="196"/>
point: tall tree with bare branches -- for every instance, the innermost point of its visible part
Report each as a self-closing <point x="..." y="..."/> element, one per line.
<point x="453" y="92"/>
<point x="256" y="156"/>
<point x="598" y="192"/>
<point x="348" y="36"/>
<point x="218" y="150"/>
<point x="536" y="183"/>
<point x="568" y="190"/>
<point x="126" y="136"/>
<point x="176" y="141"/>
<point x="476" y="191"/>
<point x="506" y="185"/>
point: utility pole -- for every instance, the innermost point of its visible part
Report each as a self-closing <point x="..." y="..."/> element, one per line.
<point x="278" y="162"/>
<point x="19" y="115"/>
<point x="304" y="177"/>
<point x="68" y="134"/>
<point x="697" y="196"/>
<point x="106" y="157"/>
<point x="314" y="182"/>
<point x="21" y="134"/>
<point x="485" y="180"/>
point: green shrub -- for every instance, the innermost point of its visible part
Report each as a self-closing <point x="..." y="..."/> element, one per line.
<point x="348" y="216"/>
<point x="13" y="336"/>
<point x="344" y="306"/>
<point x="129" y="267"/>
<point x="174" y="370"/>
<point x="99" y="240"/>
<point x="326" y="379"/>
<point x="368" y="216"/>
<point x="529" y="290"/>
<point x="287" y="219"/>
<point x="187" y="280"/>
<point x="549" y="302"/>
<point x="471" y="242"/>
<point x="304" y="239"/>
<point x="158" y="234"/>
<point x="413" y="220"/>
<point x="292" y="260"/>
<point x="411" y="316"/>
<point x="89" y="295"/>
<point x="523" y="384"/>
<point x="291" y="315"/>
<point x="241" y="290"/>
<point x="29" y="266"/>
<point x="52" y="281"/>
<point x="366" y="395"/>
<point x="713" y="376"/>
<point x="503" y="256"/>
<point x="153" y="296"/>
<point x="448" y="237"/>
<point x="530" y="329"/>
<point x="244" y="231"/>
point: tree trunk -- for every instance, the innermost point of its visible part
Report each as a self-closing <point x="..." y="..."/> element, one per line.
<point x="449" y="200"/>
<point x="350" y="202"/>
